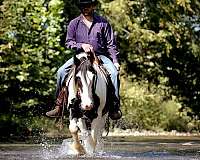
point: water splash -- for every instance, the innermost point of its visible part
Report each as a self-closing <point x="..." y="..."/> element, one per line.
<point x="63" y="151"/>
<point x="50" y="152"/>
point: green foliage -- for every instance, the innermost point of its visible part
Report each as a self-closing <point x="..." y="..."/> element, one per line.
<point x="173" y="119"/>
<point x="159" y="49"/>
<point x="140" y="107"/>
<point x="146" y="109"/>
<point x="32" y="52"/>
<point x="159" y="43"/>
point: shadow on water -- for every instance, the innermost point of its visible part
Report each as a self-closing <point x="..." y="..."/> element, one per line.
<point x="148" y="148"/>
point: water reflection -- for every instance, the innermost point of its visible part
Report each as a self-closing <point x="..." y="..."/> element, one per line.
<point x="111" y="150"/>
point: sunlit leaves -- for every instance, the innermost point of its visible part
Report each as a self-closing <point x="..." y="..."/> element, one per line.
<point x="159" y="43"/>
<point x="185" y="4"/>
<point x="32" y="32"/>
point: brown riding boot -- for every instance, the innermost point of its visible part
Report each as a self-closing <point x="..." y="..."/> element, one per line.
<point x="54" y="113"/>
<point x="61" y="99"/>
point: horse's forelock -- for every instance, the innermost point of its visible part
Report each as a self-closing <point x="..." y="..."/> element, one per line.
<point x="82" y="69"/>
<point x="84" y="66"/>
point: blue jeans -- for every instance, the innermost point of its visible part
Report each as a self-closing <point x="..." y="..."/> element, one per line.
<point x="107" y="63"/>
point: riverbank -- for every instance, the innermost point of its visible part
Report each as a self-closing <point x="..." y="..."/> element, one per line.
<point x="108" y="140"/>
<point x="132" y="132"/>
<point x="128" y="147"/>
<point x="56" y="137"/>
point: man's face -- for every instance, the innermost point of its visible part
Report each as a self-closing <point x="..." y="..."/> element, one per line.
<point x="87" y="9"/>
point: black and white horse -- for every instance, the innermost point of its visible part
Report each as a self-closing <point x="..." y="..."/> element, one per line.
<point x="87" y="98"/>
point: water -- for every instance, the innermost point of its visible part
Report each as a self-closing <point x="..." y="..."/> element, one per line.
<point x="149" y="148"/>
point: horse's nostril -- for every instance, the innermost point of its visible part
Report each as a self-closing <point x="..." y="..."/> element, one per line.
<point x="88" y="107"/>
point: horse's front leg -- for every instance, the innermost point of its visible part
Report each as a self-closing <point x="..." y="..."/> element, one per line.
<point x="87" y="139"/>
<point x="76" y="146"/>
<point x="98" y="126"/>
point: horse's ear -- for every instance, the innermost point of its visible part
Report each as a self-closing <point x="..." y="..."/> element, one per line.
<point x="76" y="61"/>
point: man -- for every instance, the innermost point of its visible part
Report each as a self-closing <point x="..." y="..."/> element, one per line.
<point x="91" y="33"/>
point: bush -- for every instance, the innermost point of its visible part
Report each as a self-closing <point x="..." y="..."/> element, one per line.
<point x="145" y="106"/>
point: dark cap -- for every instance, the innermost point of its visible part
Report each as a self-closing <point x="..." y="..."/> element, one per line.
<point x="86" y="2"/>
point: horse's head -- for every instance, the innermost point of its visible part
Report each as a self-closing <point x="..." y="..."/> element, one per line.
<point x="85" y="77"/>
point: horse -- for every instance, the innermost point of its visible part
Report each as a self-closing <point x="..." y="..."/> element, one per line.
<point x="87" y="98"/>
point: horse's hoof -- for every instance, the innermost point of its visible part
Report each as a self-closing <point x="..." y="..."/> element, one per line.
<point x="78" y="148"/>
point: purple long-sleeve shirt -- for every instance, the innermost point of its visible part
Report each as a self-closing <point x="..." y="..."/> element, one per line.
<point x="100" y="36"/>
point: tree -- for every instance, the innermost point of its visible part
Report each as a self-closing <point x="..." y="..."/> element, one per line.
<point x="158" y="40"/>
<point x="31" y="53"/>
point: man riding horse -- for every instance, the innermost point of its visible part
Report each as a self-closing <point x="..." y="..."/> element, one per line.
<point x="91" y="33"/>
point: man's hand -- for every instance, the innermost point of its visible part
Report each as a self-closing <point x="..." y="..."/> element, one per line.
<point x="117" y="65"/>
<point x="87" y="47"/>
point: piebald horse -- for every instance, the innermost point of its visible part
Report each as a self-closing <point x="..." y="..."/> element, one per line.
<point x="87" y="98"/>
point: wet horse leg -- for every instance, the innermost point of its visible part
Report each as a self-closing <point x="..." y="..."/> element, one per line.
<point x="97" y="130"/>
<point x="86" y="136"/>
<point x="76" y="146"/>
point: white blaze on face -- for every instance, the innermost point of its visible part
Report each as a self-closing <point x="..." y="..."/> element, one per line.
<point x="85" y="92"/>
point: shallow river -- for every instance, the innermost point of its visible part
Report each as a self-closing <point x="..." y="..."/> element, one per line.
<point x="122" y="148"/>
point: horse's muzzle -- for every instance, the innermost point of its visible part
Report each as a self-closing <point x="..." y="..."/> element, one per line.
<point x="87" y="107"/>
